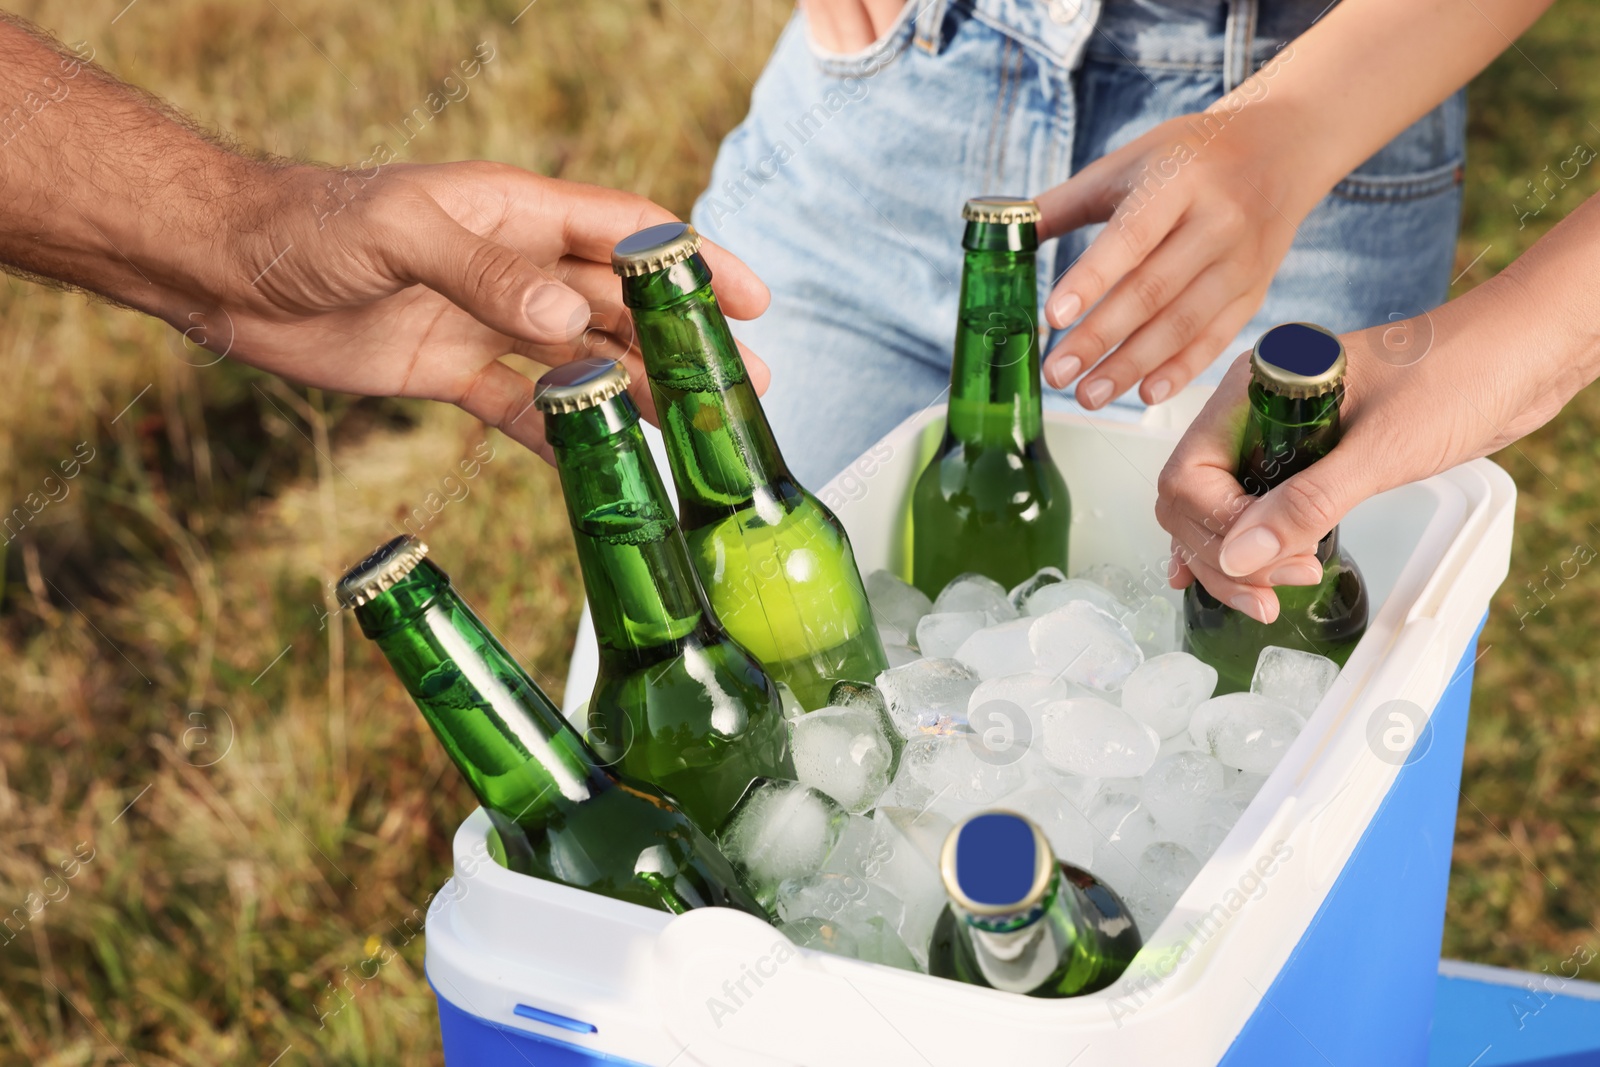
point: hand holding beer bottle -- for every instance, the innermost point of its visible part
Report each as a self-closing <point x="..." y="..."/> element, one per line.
<point x="1297" y="384"/>
<point x="776" y="564"/>
<point x="559" y="814"/>
<point x="677" y="702"/>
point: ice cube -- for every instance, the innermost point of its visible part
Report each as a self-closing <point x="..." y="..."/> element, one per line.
<point x="1029" y="691"/>
<point x="1053" y="597"/>
<point x="1090" y="737"/>
<point x="1176" y="788"/>
<point x="1293" y="678"/>
<point x="1023" y="590"/>
<point x="1154" y="627"/>
<point x="974" y="592"/>
<point x="928" y="695"/>
<point x="899" y="655"/>
<point x="1163" y="692"/>
<point x="848" y="694"/>
<point x="853" y="854"/>
<point x="843" y="752"/>
<point x="1175" y="744"/>
<point x="1065" y="824"/>
<point x="959" y="767"/>
<point x="1123" y="829"/>
<point x="896" y="605"/>
<point x="1119" y="582"/>
<point x="1165" y="870"/>
<point x="870" y="914"/>
<point x="909" y="868"/>
<point x="840" y="898"/>
<point x="781" y="830"/>
<point x="820" y="934"/>
<point x="1245" y="730"/>
<point x="940" y="633"/>
<point x="1083" y="644"/>
<point x="996" y="651"/>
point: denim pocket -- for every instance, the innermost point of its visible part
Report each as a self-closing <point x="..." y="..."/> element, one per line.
<point x="1426" y="159"/>
<point x="889" y="46"/>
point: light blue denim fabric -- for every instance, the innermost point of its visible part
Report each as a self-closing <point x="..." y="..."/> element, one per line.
<point x="843" y="189"/>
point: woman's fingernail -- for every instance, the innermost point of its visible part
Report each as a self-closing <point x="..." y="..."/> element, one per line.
<point x="1251" y="605"/>
<point x="1158" y="391"/>
<point x="1096" y="393"/>
<point x="1249" y="552"/>
<point x="1064" y="370"/>
<point x="1296" y="574"/>
<point x="1061" y="310"/>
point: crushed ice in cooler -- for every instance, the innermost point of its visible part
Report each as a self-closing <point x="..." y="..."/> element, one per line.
<point x="940" y="633"/>
<point x="1293" y="678"/>
<point x="1083" y="644"/>
<point x="896" y="606"/>
<point x="974" y="592"/>
<point x="1245" y="730"/>
<point x="1064" y="699"/>
<point x="1163" y="692"/>
<point x="843" y="752"/>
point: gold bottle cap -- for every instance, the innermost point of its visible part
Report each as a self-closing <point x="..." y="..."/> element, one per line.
<point x="1298" y="360"/>
<point x="386" y="566"/>
<point x="996" y="863"/>
<point x="1001" y="209"/>
<point x="654" y="248"/>
<point x="581" y="384"/>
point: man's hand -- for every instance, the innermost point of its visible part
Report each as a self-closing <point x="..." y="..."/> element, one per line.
<point x="394" y="280"/>
<point x="419" y="284"/>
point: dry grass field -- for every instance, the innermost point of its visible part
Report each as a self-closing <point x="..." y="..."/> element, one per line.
<point x="246" y="805"/>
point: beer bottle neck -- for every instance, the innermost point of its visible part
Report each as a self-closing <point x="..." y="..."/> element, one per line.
<point x="1285" y="435"/>
<point x="994" y="375"/>
<point x="718" y="440"/>
<point x="643" y="592"/>
<point x="511" y="743"/>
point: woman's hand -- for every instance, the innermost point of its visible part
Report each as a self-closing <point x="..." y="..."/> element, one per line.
<point x="1420" y="397"/>
<point x="1201" y="210"/>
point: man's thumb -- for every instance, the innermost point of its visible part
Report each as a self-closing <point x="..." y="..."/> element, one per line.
<point x="493" y="283"/>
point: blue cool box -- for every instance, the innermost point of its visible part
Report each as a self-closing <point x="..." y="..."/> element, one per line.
<point x="1312" y="936"/>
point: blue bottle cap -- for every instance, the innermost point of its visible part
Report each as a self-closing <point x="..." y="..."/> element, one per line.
<point x="996" y="863"/>
<point x="1298" y="360"/>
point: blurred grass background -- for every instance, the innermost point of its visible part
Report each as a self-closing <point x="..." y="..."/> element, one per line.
<point x="260" y="809"/>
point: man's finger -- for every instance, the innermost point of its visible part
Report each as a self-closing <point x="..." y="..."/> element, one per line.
<point x="1293" y="517"/>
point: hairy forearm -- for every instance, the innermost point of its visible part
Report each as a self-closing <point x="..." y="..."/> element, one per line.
<point x="103" y="188"/>
<point x="1363" y="73"/>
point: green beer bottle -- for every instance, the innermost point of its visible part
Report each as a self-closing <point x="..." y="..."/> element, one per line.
<point x="677" y="703"/>
<point x="1019" y="921"/>
<point x="1297" y="384"/>
<point x="776" y="564"/>
<point x="558" y="813"/>
<point x="992" y="500"/>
